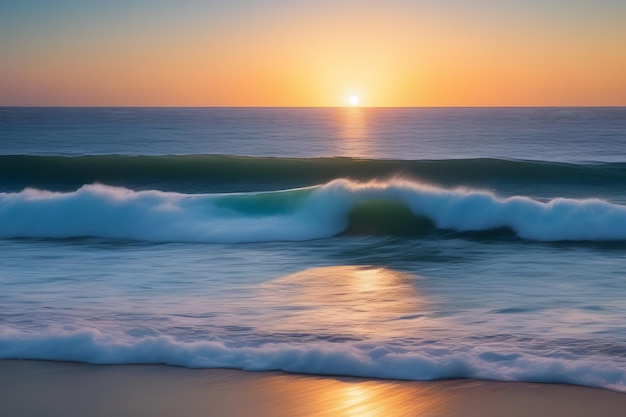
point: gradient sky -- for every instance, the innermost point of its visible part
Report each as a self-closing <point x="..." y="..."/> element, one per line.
<point x="313" y="53"/>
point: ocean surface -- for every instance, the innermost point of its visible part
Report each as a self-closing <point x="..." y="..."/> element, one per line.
<point x="414" y="244"/>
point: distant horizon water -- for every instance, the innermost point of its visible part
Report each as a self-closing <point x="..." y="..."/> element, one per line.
<point x="339" y="106"/>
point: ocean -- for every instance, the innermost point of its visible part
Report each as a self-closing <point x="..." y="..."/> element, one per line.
<point x="400" y="243"/>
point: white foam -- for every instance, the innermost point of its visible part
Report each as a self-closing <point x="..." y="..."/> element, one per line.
<point x="111" y="212"/>
<point x="381" y="361"/>
<point x="472" y="210"/>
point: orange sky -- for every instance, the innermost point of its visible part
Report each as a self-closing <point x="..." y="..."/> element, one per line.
<point x="280" y="53"/>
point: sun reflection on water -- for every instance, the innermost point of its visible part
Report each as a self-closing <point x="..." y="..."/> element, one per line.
<point x="313" y="396"/>
<point x="353" y="131"/>
<point x="351" y="300"/>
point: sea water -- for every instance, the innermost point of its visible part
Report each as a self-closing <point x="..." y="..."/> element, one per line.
<point x="397" y="243"/>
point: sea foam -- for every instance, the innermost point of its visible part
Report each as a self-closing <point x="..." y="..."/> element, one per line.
<point x="98" y="210"/>
<point x="350" y="359"/>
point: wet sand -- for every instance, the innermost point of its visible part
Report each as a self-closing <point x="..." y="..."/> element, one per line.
<point x="35" y="388"/>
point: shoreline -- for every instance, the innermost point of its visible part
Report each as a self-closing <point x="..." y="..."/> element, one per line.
<point x="35" y="388"/>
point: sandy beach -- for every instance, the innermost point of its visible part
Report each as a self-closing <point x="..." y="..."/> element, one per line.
<point x="34" y="388"/>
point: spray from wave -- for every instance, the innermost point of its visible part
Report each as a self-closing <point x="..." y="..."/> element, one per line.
<point x="301" y="214"/>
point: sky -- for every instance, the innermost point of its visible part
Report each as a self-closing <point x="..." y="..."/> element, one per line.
<point x="313" y="53"/>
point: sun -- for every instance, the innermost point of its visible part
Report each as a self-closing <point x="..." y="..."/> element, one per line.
<point x="354" y="100"/>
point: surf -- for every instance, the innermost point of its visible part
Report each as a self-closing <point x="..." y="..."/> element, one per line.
<point x="374" y="360"/>
<point x="339" y="206"/>
<point x="220" y="173"/>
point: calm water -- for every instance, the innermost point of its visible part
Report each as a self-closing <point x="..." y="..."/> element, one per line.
<point x="398" y="243"/>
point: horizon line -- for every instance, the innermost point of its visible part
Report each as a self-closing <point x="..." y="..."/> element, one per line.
<point x="314" y="107"/>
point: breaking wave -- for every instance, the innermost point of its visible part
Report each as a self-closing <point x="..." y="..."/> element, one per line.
<point x="216" y="173"/>
<point x="381" y="207"/>
<point x="350" y="359"/>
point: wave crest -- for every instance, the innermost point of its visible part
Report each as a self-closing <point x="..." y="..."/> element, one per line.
<point x="387" y="207"/>
<point x="363" y="360"/>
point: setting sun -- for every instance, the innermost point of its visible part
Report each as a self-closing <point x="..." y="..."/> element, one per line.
<point x="301" y="54"/>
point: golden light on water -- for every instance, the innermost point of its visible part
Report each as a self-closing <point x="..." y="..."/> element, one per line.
<point x="352" y="125"/>
<point x="353" y="300"/>
<point x="357" y="398"/>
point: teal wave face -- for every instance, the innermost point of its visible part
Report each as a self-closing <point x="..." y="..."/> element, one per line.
<point x="386" y="217"/>
<point x="215" y="174"/>
<point x="264" y="204"/>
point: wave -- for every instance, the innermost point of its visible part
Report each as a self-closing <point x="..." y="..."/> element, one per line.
<point x="389" y="207"/>
<point x="350" y="359"/>
<point x="211" y="173"/>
